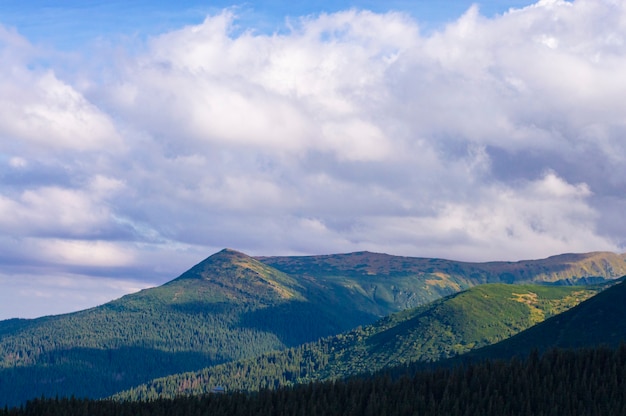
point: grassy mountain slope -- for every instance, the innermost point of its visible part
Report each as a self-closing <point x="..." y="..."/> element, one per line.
<point x="454" y="325"/>
<point x="568" y="268"/>
<point x="599" y="320"/>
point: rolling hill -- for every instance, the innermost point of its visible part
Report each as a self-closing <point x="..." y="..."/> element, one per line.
<point x="231" y="306"/>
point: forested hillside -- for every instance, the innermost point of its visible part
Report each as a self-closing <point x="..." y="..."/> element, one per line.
<point x="226" y="308"/>
<point x="454" y="325"/>
<point x="573" y="383"/>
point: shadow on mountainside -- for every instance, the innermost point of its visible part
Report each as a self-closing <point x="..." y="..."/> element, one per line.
<point x="71" y="372"/>
<point x="298" y="322"/>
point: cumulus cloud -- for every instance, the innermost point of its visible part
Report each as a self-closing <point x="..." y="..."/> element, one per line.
<point x="50" y="114"/>
<point x="489" y="139"/>
<point x="41" y="113"/>
<point x="56" y="210"/>
<point x="296" y="92"/>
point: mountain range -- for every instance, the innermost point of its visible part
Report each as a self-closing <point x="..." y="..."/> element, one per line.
<point x="233" y="307"/>
<point x="444" y="328"/>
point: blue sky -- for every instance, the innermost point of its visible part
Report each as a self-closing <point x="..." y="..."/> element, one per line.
<point x="138" y="138"/>
<point x="74" y="24"/>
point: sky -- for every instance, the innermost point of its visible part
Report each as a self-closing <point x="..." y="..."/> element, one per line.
<point x="138" y="138"/>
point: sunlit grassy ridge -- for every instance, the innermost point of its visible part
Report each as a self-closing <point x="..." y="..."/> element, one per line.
<point x="563" y="267"/>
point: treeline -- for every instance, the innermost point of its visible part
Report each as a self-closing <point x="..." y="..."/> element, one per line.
<point x="559" y="383"/>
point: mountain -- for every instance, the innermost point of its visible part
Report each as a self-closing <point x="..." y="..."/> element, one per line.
<point x="446" y="327"/>
<point x="565" y="268"/>
<point x="232" y="306"/>
<point x="228" y="307"/>
<point x="388" y="283"/>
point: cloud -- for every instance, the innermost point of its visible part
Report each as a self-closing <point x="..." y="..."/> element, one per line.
<point x="32" y="296"/>
<point x="53" y="116"/>
<point x="40" y="113"/>
<point x="296" y="92"/>
<point x="489" y="139"/>
<point x="46" y="210"/>
<point x="76" y="252"/>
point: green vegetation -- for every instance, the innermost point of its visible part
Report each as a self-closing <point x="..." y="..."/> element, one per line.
<point x="596" y="321"/>
<point x="232" y="307"/>
<point x="226" y="308"/>
<point x="454" y="325"/>
<point x="586" y="382"/>
<point x="561" y="269"/>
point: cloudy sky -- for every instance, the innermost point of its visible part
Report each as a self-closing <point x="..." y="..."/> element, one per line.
<point x="138" y="138"/>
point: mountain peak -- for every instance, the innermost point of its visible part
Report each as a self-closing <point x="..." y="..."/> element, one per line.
<point x="228" y="253"/>
<point x="223" y="258"/>
<point x="237" y="275"/>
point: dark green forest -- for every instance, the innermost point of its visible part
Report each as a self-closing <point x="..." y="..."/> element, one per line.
<point x="558" y="383"/>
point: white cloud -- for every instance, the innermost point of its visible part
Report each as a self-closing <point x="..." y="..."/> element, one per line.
<point x="40" y="111"/>
<point x="300" y="91"/>
<point x="17" y="162"/>
<point x="297" y="121"/>
<point x="553" y="186"/>
<point x="55" y="210"/>
<point x="492" y="138"/>
<point x="32" y="296"/>
<point x="83" y="253"/>
<point x="546" y="215"/>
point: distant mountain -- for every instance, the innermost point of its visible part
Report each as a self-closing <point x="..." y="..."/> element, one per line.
<point x="568" y="267"/>
<point x="232" y="306"/>
<point x="389" y="282"/>
<point x="453" y="325"/>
